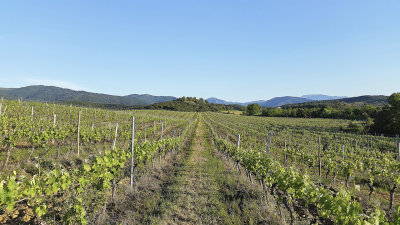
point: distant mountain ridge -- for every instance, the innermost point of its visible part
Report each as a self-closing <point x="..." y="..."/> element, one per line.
<point x="223" y="102"/>
<point x="278" y="101"/>
<point x="56" y="94"/>
<point x="376" y="100"/>
<point x="311" y="100"/>
<point x="319" y="97"/>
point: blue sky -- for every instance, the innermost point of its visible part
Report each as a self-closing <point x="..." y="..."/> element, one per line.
<point x="237" y="50"/>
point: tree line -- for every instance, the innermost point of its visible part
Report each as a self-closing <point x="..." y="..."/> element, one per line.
<point x="347" y="112"/>
<point x="385" y="120"/>
<point x="191" y="104"/>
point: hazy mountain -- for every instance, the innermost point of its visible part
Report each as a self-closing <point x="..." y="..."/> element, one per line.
<point x="150" y="99"/>
<point x="274" y="102"/>
<point x="319" y="97"/>
<point x="56" y="94"/>
<point x="279" y="101"/>
<point x="223" y="102"/>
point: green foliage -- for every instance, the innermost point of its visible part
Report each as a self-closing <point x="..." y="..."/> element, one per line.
<point x="340" y="206"/>
<point x="192" y="104"/>
<point x="99" y="174"/>
<point x="253" y="109"/>
<point x="354" y="127"/>
<point x="352" y="112"/>
<point x="388" y="120"/>
<point x="41" y="189"/>
<point x="394" y="101"/>
<point x="343" y="154"/>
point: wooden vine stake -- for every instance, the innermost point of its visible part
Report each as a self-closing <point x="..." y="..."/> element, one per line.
<point x="319" y="157"/>
<point x="115" y="136"/>
<point x="79" y="124"/>
<point x="343" y="146"/>
<point x="162" y="130"/>
<point x="398" y="147"/>
<point x="145" y="138"/>
<point x="395" y="184"/>
<point x="285" y="156"/>
<point x="132" y="149"/>
<point x="355" y="145"/>
<point x="269" y="143"/>
<point x="54" y="125"/>
<point x="238" y="146"/>
<point x="238" y="141"/>
<point x="1" y="104"/>
<point x="70" y="113"/>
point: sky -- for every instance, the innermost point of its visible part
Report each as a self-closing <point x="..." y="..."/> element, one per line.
<point x="236" y="50"/>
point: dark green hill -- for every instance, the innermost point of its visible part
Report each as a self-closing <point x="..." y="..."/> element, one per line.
<point x="375" y="100"/>
<point x="192" y="104"/>
<point x="355" y="108"/>
<point x="56" y="94"/>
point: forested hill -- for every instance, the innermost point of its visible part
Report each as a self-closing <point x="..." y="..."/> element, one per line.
<point x="192" y="104"/>
<point x="56" y="94"/>
<point x="356" y="108"/>
<point x="375" y="100"/>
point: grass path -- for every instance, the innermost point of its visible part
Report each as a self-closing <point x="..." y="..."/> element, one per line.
<point x="195" y="186"/>
<point x="196" y="191"/>
<point x="207" y="190"/>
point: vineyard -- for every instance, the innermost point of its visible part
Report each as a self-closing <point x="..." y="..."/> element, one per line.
<point x="59" y="163"/>
<point x="347" y="178"/>
<point x="62" y="164"/>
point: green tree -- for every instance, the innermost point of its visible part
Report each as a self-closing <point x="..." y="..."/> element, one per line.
<point x="253" y="109"/>
<point x="394" y="101"/>
<point x="388" y="120"/>
<point x="354" y="127"/>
